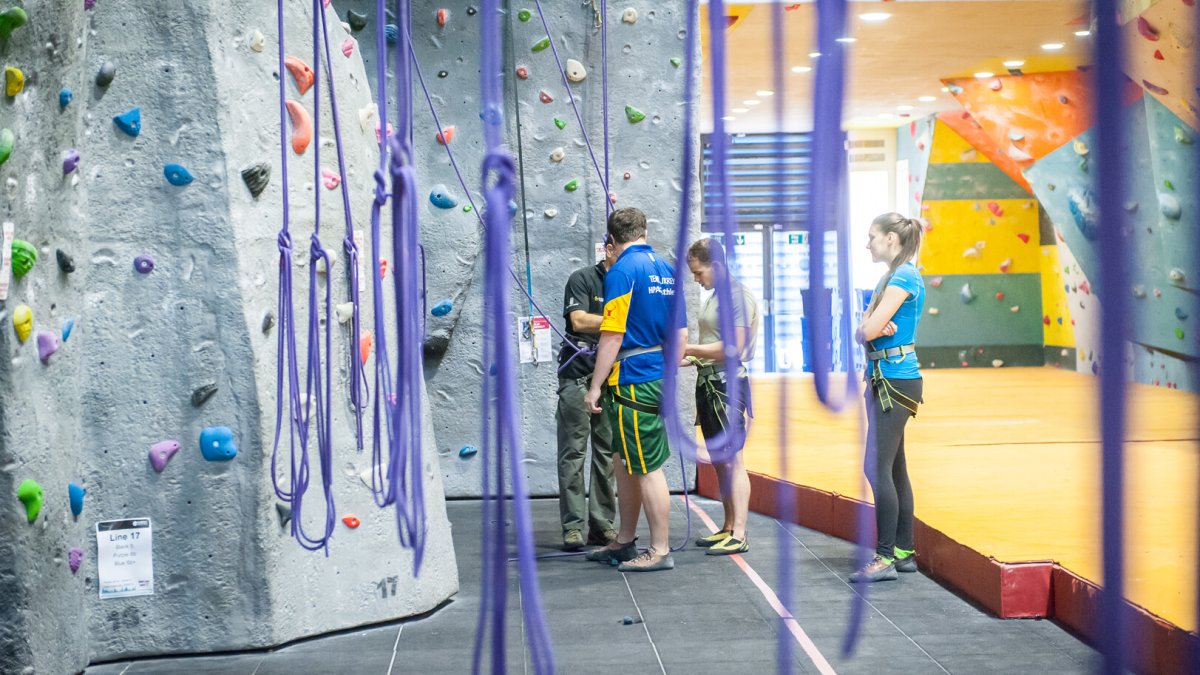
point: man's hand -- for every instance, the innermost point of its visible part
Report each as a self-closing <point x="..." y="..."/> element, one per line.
<point x="592" y="400"/>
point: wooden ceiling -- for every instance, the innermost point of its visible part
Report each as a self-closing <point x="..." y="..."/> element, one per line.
<point x="892" y="63"/>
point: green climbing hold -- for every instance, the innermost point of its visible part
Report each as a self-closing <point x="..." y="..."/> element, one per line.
<point x="634" y="114"/>
<point x="541" y="45"/>
<point x="525" y="15"/>
<point x="560" y="123"/>
<point x="31" y="495"/>
<point x="675" y="61"/>
<point x="10" y="20"/>
<point x="572" y="186"/>
<point x="467" y="208"/>
<point x="1168" y="184"/>
<point x="1179" y="333"/>
<point x="1182" y="137"/>
<point x="24" y="255"/>
<point x="6" y="144"/>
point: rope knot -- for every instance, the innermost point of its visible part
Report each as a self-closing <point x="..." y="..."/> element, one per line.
<point x="381" y="193"/>
<point x="284" y="242"/>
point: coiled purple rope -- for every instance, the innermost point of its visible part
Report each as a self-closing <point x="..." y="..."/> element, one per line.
<point x="1110" y="186"/>
<point x="501" y="430"/>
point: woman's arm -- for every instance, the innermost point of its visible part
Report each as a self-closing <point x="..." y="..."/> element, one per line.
<point x="879" y="322"/>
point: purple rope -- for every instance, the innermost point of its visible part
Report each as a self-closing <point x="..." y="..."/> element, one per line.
<point x="1114" y="260"/>
<point x="604" y="92"/>
<point x="501" y="427"/>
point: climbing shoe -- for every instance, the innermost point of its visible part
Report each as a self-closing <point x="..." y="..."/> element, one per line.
<point x="879" y="569"/>
<point x="906" y="561"/>
<point x="572" y="540"/>
<point x="650" y="561"/>
<point x="713" y="539"/>
<point x="604" y="538"/>
<point x="729" y="546"/>
<point x="614" y="553"/>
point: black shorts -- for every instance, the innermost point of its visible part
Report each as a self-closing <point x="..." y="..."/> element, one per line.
<point x="712" y="409"/>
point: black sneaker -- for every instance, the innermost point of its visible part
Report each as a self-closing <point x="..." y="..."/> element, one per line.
<point x="614" y="553"/>
<point x="604" y="538"/>
<point x="907" y="564"/>
<point x="879" y="569"/>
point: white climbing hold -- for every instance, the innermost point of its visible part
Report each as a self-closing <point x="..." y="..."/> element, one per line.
<point x="551" y="212"/>
<point x="575" y="71"/>
<point x="1081" y="148"/>
<point x="630" y="15"/>
<point x="368" y="118"/>
<point x="996" y="363"/>
<point x="934" y="311"/>
<point x="345" y="312"/>
<point x="557" y="154"/>
<point x="1014" y="309"/>
<point x="971" y="252"/>
<point x="257" y="41"/>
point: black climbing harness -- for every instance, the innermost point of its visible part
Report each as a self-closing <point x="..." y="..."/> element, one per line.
<point x="888" y="394"/>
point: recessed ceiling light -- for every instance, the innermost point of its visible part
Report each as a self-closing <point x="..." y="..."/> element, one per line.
<point x="1013" y="64"/>
<point x="847" y="40"/>
<point x="904" y="108"/>
<point x="764" y="93"/>
<point x="875" y="17"/>
<point x="801" y="69"/>
<point x="813" y="55"/>
<point x="983" y="75"/>
<point x="741" y="110"/>
<point x="1082" y="33"/>
<point x="751" y="101"/>
<point x="1052" y="46"/>
<point x="927" y="99"/>
<point x="728" y="118"/>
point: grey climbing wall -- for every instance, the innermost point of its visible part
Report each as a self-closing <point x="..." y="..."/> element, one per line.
<point x="226" y="574"/>
<point x="562" y="227"/>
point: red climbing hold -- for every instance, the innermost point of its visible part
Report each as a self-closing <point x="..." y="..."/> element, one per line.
<point x="523" y="72"/>
<point x="351" y="522"/>
<point x="1000" y="295"/>
<point x="1005" y="265"/>
<point x="441" y="17"/>
<point x="1147" y="30"/>
<point x="545" y="96"/>
<point x="1046" y="319"/>
<point x="301" y="72"/>
<point x="365" y="345"/>
<point x="1023" y="237"/>
<point x="1158" y="55"/>
<point x="383" y="268"/>
<point x="446" y="135"/>
<point x="995" y="209"/>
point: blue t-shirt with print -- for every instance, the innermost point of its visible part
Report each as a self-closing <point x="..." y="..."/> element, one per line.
<point x="637" y="302"/>
<point x="907" y="318"/>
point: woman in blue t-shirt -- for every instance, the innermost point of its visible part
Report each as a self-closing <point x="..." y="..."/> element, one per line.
<point x="889" y="333"/>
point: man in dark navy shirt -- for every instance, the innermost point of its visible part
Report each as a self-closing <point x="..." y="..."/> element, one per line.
<point x="583" y="308"/>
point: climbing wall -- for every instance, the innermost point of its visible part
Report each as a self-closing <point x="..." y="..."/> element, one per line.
<point x="980" y="262"/>
<point x="1161" y="56"/>
<point x="160" y="295"/>
<point x="914" y="143"/>
<point x="560" y="210"/>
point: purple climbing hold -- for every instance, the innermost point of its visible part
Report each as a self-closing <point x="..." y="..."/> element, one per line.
<point x="88" y="4"/>
<point x="47" y="344"/>
<point x="217" y="444"/>
<point x="130" y="121"/>
<point x="144" y="264"/>
<point x="74" y="559"/>
<point x="161" y="453"/>
<point x="70" y="161"/>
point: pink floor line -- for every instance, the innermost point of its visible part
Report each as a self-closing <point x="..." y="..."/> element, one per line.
<point x="797" y="632"/>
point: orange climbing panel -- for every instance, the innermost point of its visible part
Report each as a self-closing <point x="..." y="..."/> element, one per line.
<point x="976" y="145"/>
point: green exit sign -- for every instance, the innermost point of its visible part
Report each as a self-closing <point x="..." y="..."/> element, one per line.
<point x="797" y="238"/>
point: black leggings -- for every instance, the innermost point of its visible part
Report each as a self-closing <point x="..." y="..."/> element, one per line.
<point x="887" y="470"/>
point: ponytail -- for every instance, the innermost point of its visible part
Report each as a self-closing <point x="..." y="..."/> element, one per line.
<point x="910" y="233"/>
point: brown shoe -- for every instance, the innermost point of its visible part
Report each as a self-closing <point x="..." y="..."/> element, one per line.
<point x="573" y="540"/>
<point x="604" y="538"/>
<point x="650" y="561"/>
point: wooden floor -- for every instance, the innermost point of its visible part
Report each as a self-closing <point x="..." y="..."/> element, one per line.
<point x="1007" y="462"/>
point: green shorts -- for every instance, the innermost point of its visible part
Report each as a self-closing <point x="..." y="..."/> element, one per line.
<point x="639" y="437"/>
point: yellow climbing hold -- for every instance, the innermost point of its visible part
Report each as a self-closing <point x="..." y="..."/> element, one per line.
<point x="14" y="80"/>
<point x="22" y="320"/>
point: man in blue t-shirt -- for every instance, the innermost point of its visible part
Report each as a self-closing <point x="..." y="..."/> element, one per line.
<point x="638" y="290"/>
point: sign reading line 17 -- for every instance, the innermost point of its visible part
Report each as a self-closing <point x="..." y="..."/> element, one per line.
<point x="125" y="558"/>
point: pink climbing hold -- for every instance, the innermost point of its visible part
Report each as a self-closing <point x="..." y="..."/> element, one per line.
<point x="996" y="85"/>
<point x="936" y="282"/>
<point x="1083" y="286"/>
<point x="1005" y="265"/>
<point x="628" y="175"/>
<point x="612" y="197"/>
<point x="74" y="559"/>
<point x="390" y="128"/>
<point x="383" y="264"/>
<point x="1023" y="237"/>
<point x="995" y="209"/>
<point x="523" y="72"/>
<point x="446" y="135"/>
<point x="1146" y="29"/>
<point x="348" y="47"/>
<point x="330" y="178"/>
<point x="545" y="96"/>
<point x="161" y="453"/>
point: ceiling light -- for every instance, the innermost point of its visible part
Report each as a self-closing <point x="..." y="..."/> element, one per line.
<point x="927" y="99"/>
<point x="1082" y="33"/>
<point x="801" y="69"/>
<point x="813" y="55"/>
<point x="983" y="75"/>
<point x="1013" y="64"/>
<point x="751" y="101"/>
<point x="1052" y="46"/>
<point x="741" y="110"/>
<point x="729" y="118"/>
<point x="847" y="40"/>
<point x="904" y="108"/>
<point x="764" y="93"/>
<point x="875" y="17"/>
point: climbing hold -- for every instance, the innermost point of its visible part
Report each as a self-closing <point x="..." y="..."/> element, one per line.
<point x="10" y="20"/>
<point x="966" y="294"/>
<point x="70" y="160"/>
<point x="1146" y="30"/>
<point x="1062" y="98"/>
<point x="350" y="521"/>
<point x="268" y="321"/>
<point x="628" y="621"/>
<point x="256" y="177"/>
<point x="612" y="197"/>
<point x="161" y="453"/>
<point x="383" y="263"/>
<point x="442" y="308"/>
<point x="572" y="186"/>
<point x="575" y="71"/>
<point x="1154" y="88"/>
<point x="524" y="15"/>
<point x="675" y="61"/>
<point x="1158" y="55"/>
<point x="934" y="311"/>
<point x="1080" y="148"/>
<point x="471" y="10"/>
<point x="1182" y="136"/>
<point x="75" y="495"/>
<point x="177" y="175"/>
<point x="65" y="262"/>
<point x="47" y="344"/>
<point x="1046" y="319"/>
<point x="441" y="198"/>
<point x="1179" y="332"/>
<point x="634" y="115"/>
<point x="550" y="212"/>
<point x="258" y="41"/>
<point x="105" y="75"/>
<point x="22" y="321"/>
<point x="302" y="127"/>
<point x="284" y="512"/>
<point x="995" y="209"/>
<point x="446" y="135"/>
<point x="344" y="312"/>
<point x="1168" y="184"/>
<point x="348" y="47"/>
<point x="523" y="72"/>
<point x="996" y="363"/>
<point x="144" y="264"/>
<point x="330" y="179"/>
<point x="1016" y="136"/>
<point x="1023" y="237"/>
<point x="491" y="115"/>
<point x="300" y="72"/>
<point x="14" y="81"/>
<point x="442" y="17"/>
<point x="202" y="393"/>
<point x="630" y="15"/>
<point x="74" y="559"/>
<point x="357" y="20"/>
<point x="31" y="495"/>
<point x="560" y="123"/>
<point x="1176" y="275"/>
<point x="545" y="96"/>
<point x="390" y="32"/>
<point x="467" y="451"/>
<point x="936" y="282"/>
<point x="443" y="74"/>
<point x="1139" y="292"/>
<point x="1083" y="209"/>
<point x="217" y="444"/>
<point x="557" y="154"/>
<point x="995" y="85"/>
<point x="130" y="121"/>
<point x="24" y="255"/>
<point x="365" y="344"/>
<point x="1180" y="314"/>
<point x="971" y="252"/>
<point x="1169" y="205"/>
<point x="1005" y="265"/>
<point x="68" y="326"/>
<point x="1014" y="309"/>
<point x="541" y="44"/>
<point x="628" y="175"/>
<point x="512" y="207"/>
<point x="64" y="97"/>
<point x="1000" y="295"/>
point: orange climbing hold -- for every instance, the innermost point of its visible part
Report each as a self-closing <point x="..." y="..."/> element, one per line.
<point x="446" y="135"/>
<point x="441" y="18"/>
<point x="302" y="126"/>
<point x="365" y="345"/>
<point x="300" y="72"/>
<point x="351" y="522"/>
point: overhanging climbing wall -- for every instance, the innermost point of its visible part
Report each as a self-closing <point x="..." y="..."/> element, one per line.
<point x="914" y="143"/>
<point x="171" y="287"/>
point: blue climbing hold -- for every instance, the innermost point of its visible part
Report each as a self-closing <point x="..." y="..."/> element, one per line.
<point x="217" y="444"/>
<point x="177" y="175"/>
<point x="130" y="121"/>
<point x="64" y="97"/>
<point x="1059" y="320"/>
<point x="390" y="31"/>
<point x="442" y="308"/>
<point x="512" y="207"/>
<point x="491" y="115"/>
<point x="1180" y="314"/>
<point x="467" y="452"/>
<point x="76" y="494"/>
<point x="441" y="198"/>
<point x="1083" y="209"/>
<point x="628" y="621"/>
<point x="68" y="326"/>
